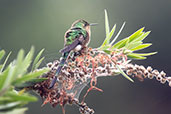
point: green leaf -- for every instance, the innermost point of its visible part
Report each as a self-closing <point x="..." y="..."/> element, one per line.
<point x="110" y="35"/>
<point x="142" y="46"/>
<point x="112" y="32"/>
<point x="127" y="43"/>
<point x="145" y="54"/>
<point x="123" y="73"/>
<point x="1" y="69"/>
<point x="120" y="44"/>
<point x="15" y="73"/>
<point x="142" y="37"/>
<point x="105" y="47"/>
<point x="5" y="99"/>
<point x="24" y="97"/>
<point x="38" y="63"/>
<point x="107" y="51"/>
<point x="19" y="62"/>
<point x="133" y="45"/>
<point x="118" y="33"/>
<point x="2" y="53"/>
<point x="36" y="60"/>
<point x="7" y="77"/>
<point x="132" y="41"/>
<point x="30" y="76"/>
<point x="9" y="106"/>
<point x="28" y="59"/>
<point x="23" y="63"/>
<point x="30" y="83"/>
<point x="107" y="39"/>
<point x="3" y="78"/>
<point x="136" y="34"/>
<point x="106" y="24"/>
<point x="135" y="56"/>
<point x="107" y="28"/>
<point x="20" y="56"/>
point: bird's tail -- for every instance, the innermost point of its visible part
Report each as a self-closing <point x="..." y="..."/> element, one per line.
<point x="60" y="66"/>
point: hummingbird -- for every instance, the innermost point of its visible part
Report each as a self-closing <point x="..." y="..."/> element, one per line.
<point x="76" y="38"/>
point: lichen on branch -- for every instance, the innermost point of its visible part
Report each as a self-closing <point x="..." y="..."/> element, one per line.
<point x="86" y="68"/>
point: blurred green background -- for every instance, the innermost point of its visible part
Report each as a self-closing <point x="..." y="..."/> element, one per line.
<point x="42" y="23"/>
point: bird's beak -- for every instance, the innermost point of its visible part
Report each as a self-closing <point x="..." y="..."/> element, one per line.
<point x="93" y="24"/>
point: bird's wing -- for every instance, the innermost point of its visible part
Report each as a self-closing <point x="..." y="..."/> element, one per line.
<point x="73" y="45"/>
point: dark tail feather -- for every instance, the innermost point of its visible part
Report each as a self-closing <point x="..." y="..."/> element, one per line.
<point x="61" y="64"/>
<point x="70" y="47"/>
<point x="53" y="82"/>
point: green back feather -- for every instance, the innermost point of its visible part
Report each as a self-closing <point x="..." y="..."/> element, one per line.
<point x="72" y="34"/>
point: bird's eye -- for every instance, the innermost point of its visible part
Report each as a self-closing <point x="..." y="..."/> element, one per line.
<point x="86" y="24"/>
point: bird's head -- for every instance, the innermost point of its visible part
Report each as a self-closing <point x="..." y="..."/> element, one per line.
<point x="82" y="24"/>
